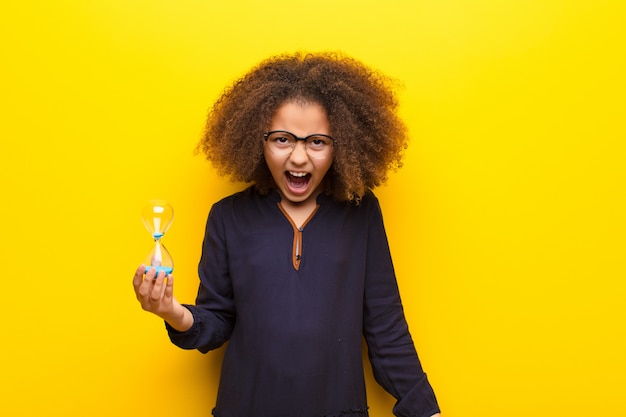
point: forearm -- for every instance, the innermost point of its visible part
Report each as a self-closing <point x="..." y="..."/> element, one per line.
<point x="180" y="319"/>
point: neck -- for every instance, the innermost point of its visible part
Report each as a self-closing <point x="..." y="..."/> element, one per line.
<point x="299" y="212"/>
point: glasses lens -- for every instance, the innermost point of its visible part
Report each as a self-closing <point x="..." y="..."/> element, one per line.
<point x="281" y="143"/>
<point x="319" y="146"/>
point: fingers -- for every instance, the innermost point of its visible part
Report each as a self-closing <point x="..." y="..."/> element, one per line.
<point x="143" y="286"/>
<point x="158" y="289"/>
<point x="150" y="272"/>
<point x="154" y="291"/>
<point x="169" y="288"/>
<point x="138" y="278"/>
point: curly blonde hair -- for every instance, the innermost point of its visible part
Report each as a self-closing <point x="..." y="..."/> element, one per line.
<point x="360" y="103"/>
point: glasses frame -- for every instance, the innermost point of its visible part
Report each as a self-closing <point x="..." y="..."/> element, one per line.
<point x="266" y="136"/>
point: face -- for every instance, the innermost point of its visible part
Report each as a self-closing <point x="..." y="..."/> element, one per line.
<point x="298" y="176"/>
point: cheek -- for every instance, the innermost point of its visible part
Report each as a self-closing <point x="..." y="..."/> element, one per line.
<point x="324" y="167"/>
<point x="269" y="160"/>
<point x="274" y="164"/>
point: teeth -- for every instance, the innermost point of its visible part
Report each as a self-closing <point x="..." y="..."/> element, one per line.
<point x="297" y="174"/>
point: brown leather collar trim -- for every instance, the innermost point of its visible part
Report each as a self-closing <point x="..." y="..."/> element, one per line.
<point x="296" y="252"/>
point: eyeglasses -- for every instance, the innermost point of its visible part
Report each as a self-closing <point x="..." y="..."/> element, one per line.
<point x="282" y="143"/>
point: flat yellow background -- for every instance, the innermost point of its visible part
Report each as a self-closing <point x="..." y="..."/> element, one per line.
<point x="507" y="222"/>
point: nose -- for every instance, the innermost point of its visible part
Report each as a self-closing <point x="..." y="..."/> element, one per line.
<point x="298" y="154"/>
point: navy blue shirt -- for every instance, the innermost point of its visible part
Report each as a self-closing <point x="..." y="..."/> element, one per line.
<point x="294" y="305"/>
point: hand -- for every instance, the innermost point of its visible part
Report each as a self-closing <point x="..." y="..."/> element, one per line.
<point x="156" y="295"/>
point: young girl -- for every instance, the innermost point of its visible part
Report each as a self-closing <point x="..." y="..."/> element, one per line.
<point x="296" y="269"/>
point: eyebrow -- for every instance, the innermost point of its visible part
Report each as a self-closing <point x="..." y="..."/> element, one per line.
<point x="296" y="136"/>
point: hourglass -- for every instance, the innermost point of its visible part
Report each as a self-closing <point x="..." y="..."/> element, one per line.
<point x="157" y="217"/>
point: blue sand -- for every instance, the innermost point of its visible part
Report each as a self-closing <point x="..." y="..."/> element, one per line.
<point x="168" y="269"/>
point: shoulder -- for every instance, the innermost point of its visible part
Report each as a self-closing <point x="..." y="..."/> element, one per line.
<point x="367" y="203"/>
<point x="247" y="202"/>
<point x="369" y="199"/>
<point x="371" y="205"/>
<point x="244" y="196"/>
<point x="367" y="207"/>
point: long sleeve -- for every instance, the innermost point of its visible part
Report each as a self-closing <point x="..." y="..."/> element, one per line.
<point x="391" y="349"/>
<point x="214" y="312"/>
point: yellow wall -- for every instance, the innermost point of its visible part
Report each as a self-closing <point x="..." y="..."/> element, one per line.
<point x="507" y="222"/>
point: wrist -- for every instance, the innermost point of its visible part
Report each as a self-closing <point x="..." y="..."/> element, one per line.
<point x="180" y="318"/>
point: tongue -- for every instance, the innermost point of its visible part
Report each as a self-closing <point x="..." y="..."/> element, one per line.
<point x="298" y="182"/>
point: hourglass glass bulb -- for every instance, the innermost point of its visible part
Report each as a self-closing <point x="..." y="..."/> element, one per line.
<point x="157" y="217"/>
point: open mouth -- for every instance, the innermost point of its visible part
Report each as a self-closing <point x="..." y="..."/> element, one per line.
<point x="298" y="182"/>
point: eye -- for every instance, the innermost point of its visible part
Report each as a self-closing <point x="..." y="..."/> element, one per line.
<point x="280" y="139"/>
<point x="319" y="141"/>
